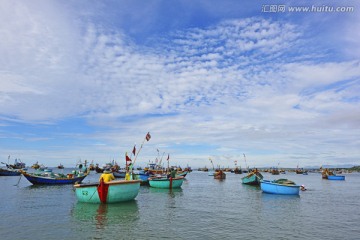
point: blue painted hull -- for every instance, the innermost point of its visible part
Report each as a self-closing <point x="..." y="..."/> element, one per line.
<point x="165" y="182"/>
<point x="335" y="177"/>
<point x="275" y="188"/>
<point x="8" y="172"/>
<point x="39" y="180"/>
<point x="144" y="178"/>
<point x="118" y="191"/>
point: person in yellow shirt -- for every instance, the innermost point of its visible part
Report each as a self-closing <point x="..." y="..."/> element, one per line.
<point x="107" y="176"/>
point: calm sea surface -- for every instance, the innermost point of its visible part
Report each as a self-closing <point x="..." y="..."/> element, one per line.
<point x="204" y="208"/>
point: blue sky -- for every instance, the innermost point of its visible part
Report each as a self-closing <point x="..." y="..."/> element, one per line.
<point x="208" y="79"/>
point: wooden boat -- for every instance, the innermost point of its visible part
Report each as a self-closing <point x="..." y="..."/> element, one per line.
<point x="237" y="170"/>
<point x="275" y="171"/>
<point x="49" y="178"/>
<point x="219" y="175"/>
<point x="9" y="172"/>
<point x="253" y="178"/>
<point x="335" y="177"/>
<point x="164" y="182"/>
<point x="280" y="186"/>
<point x="110" y="192"/>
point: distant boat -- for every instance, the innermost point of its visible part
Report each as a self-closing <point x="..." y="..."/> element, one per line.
<point x="61" y="166"/>
<point x="35" y="166"/>
<point x="9" y="172"/>
<point x="237" y="170"/>
<point x="110" y="192"/>
<point x="49" y="178"/>
<point x="219" y="175"/>
<point x="336" y="177"/>
<point x="280" y="186"/>
<point x="253" y="178"/>
<point x="164" y="182"/>
<point x="327" y="174"/>
<point x="275" y="171"/>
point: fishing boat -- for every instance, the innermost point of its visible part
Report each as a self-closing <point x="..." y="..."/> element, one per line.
<point x="253" y="178"/>
<point x="35" y="166"/>
<point x="142" y="176"/>
<point x="335" y="177"/>
<point x="280" y="186"/>
<point x="110" y="192"/>
<point x="275" y="171"/>
<point x="164" y="182"/>
<point x="60" y="166"/>
<point x="9" y="172"/>
<point x="50" y="178"/>
<point x="219" y="175"/>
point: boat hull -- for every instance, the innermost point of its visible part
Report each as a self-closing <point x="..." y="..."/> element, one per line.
<point x="166" y="182"/>
<point x="8" y="172"/>
<point x="39" y="180"/>
<point x="144" y="178"/>
<point x="335" y="177"/>
<point x="275" y="188"/>
<point x="252" y="179"/>
<point x="117" y="191"/>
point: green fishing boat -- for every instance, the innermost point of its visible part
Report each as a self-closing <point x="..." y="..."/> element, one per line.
<point x="253" y="178"/>
<point x="110" y="192"/>
<point x="164" y="182"/>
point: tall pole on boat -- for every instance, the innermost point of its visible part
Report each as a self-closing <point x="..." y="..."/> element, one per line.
<point x="245" y="162"/>
<point x="147" y="138"/>
<point x="212" y="164"/>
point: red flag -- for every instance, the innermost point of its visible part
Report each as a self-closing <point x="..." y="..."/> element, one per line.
<point x="127" y="158"/>
<point x="148" y="136"/>
<point x="134" y="150"/>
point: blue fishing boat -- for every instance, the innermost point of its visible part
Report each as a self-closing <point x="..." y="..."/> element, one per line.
<point x="280" y="186"/>
<point x="142" y="176"/>
<point x="164" y="182"/>
<point x="50" y="178"/>
<point x="253" y="178"/>
<point x="335" y="177"/>
<point x="9" y="172"/>
<point x="110" y="192"/>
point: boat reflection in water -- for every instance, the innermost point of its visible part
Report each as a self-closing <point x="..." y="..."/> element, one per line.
<point x="101" y="216"/>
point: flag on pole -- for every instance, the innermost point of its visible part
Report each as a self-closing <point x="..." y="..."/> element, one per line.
<point x="148" y="136"/>
<point x="134" y="150"/>
<point x="168" y="157"/>
<point x="127" y="158"/>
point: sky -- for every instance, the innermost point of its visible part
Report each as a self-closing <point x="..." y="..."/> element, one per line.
<point x="252" y="83"/>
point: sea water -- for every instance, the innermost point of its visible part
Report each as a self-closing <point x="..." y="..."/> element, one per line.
<point x="204" y="208"/>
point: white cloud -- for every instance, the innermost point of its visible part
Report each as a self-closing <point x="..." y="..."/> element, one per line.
<point x="235" y="86"/>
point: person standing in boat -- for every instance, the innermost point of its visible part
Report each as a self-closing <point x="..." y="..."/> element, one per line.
<point x="173" y="173"/>
<point x="107" y="176"/>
